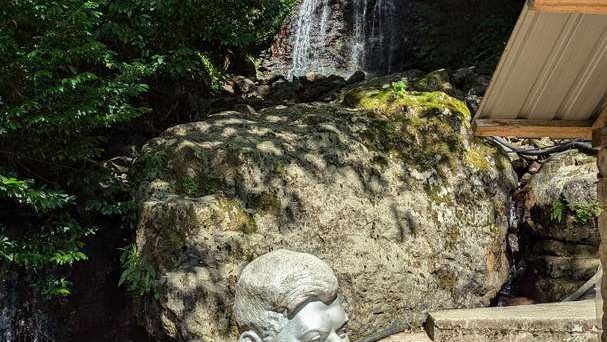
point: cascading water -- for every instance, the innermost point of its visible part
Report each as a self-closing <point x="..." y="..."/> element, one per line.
<point x="359" y="36"/>
<point x="343" y="36"/>
<point x="308" y="41"/>
<point x="21" y="315"/>
<point x="383" y="40"/>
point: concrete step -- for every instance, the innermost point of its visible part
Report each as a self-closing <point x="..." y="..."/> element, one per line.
<point x="555" y="322"/>
<point x="408" y="337"/>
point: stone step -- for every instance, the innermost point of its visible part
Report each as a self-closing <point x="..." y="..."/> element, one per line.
<point x="408" y="337"/>
<point x="570" y="321"/>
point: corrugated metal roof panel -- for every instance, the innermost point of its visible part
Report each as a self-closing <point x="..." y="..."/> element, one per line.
<point x="554" y="68"/>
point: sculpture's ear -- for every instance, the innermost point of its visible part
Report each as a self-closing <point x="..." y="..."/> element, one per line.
<point x="249" y="336"/>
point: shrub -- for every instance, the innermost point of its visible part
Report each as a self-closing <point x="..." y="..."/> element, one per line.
<point x="71" y="72"/>
<point x="138" y="276"/>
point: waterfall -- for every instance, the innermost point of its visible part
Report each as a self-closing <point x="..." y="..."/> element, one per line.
<point x="322" y="30"/>
<point x="359" y="36"/>
<point x="21" y="316"/>
<point x="309" y="43"/>
<point x="324" y="20"/>
<point x="384" y="34"/>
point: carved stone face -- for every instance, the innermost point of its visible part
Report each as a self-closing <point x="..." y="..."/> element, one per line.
<point x="285" y="296"/>
<point x="316" y="322"/>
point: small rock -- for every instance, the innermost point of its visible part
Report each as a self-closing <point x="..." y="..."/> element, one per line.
<point x="480" y="85"/>
<point x="276" y="78"/>
<point x="464" y="77"/>
<point x="253" y="97"/>
<point x="513" y="243"/>
<point x="468" y="80"/>
<point x="535" y="167"/>
<point x="242" y="84"/>
<point x="269" y="78"/>
<point x="337" y="80"/>
<point x="228" y="88"/>
<point x="283" y="90"/>
<point x="520" y="165"/>
<point x="264" y="90"/>
<point x="357" y="76"/>
<point x="313" y="77"/>
<point x="438" y="80"/>
<point x="473" y="102"/>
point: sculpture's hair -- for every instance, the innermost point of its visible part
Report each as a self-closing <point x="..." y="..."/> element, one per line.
<point x="276" y="285"/>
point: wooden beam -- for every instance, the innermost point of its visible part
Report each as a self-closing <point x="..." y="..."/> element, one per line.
<point x="599" y="132"/>
<point x="557" y="129"/>
<point x="570" y="6"/>
<point x="599" y="137"/>
<point x="601" y="120"/>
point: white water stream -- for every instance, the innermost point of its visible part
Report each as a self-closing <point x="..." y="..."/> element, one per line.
<point x="359" y="36"/>
<point x="310" y="36"/>
<point x="373" y="37"/>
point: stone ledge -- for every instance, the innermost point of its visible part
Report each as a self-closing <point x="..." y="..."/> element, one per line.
<point x="571" y="321"/>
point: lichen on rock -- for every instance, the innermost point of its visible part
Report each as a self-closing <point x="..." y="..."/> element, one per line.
<point x="378" y="185"/>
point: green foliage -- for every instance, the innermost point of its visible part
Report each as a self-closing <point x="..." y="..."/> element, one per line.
<point x="71" y="72"/>
<point x="152" y="164"/>
<point x="399" y="88"/>
<point x="55" y="287"/>
<point x="45" y="250"/>
<point x="556" y="210"/>
<point x="189" y="185"/>
<point x="40" y="200"/>
<point x="586" y="213"/>
<point x="138" y="275"/>
<point x="63" y="84"/>
<point x="582" y="213"/>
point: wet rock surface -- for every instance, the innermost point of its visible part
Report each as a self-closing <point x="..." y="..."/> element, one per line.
<point x="387" y="187"/>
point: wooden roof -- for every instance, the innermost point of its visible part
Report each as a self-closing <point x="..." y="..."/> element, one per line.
<point x="570" y="6"/>
<point x="552" y="78"/>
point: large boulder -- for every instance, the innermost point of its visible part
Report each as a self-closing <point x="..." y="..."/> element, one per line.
<point x="389" y="188"/>
<point x="560" y="223"/>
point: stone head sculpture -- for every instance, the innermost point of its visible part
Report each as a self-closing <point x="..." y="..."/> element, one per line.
<point x="285" y="296"/>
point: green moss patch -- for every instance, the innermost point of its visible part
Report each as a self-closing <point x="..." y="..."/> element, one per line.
<point x="267" y="203"/>
<point x="477" y="156"/>
<point x="238" y="218"/>
<point x="424" y="129"/>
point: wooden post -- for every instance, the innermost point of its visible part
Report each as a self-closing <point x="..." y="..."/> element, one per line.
<point x="602" y="194"/>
